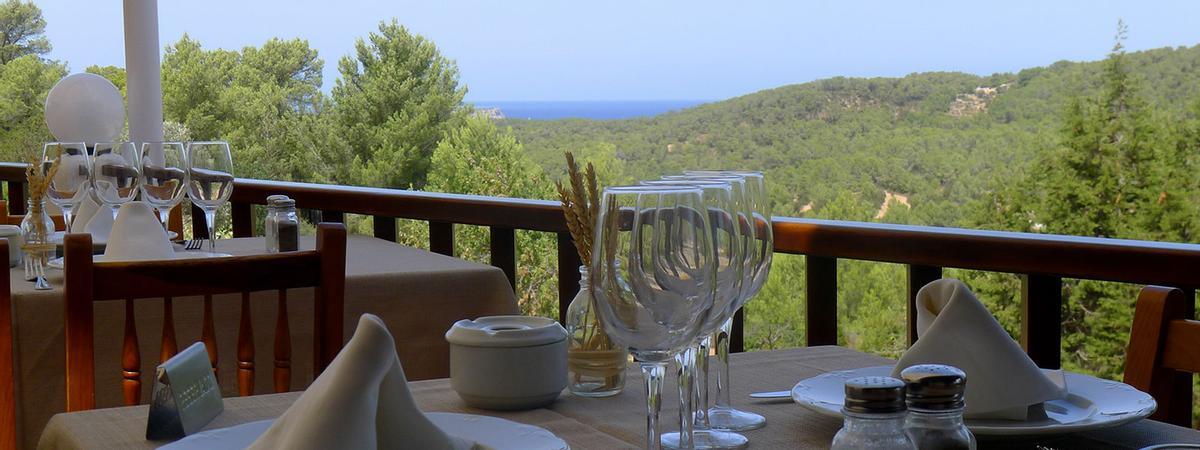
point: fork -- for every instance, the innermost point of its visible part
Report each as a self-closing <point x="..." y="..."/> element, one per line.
<point x="193" y="244"/>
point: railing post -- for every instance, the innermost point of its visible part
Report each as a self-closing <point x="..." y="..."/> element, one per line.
<point x="385" y="227"/>
<point x="333" y="216"/>
<point x="16" y="198"/>
<point x="441" y="238"/>
<point x="243" y="220"/>
<point x="1041" y="319"/>
<point x="504" y="252"/>
<point x="821" y="320"/>
<point x="918" y="277"/>
<point x="737" y="335"/>
<point x="199" y="228"/>
<point x="568" y="274"/>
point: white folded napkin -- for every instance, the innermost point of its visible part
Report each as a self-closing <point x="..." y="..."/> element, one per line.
<point x="136" y="235"/>
<point x="360" y="401"/>
<point x="100" y="224"/>
<point x="954" y="328"/>
<point x="83" y="214"/>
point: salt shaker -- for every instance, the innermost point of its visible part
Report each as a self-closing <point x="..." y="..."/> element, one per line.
<point x="874" y="415"/>
<point x="935" y="407"/>
<point x="270" y="224"/>
<point x="287" y="225"/>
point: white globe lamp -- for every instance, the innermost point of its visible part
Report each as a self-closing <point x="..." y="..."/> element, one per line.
<point x="85" y="107"/>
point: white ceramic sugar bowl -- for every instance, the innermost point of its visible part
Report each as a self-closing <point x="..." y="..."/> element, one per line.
<point x="508" y="362"/>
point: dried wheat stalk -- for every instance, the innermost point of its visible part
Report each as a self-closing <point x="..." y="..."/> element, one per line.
<point x="580" y="204"/>
<point x="39" y="182"/>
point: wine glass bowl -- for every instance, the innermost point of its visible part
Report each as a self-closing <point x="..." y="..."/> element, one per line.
<point x="71" y="180"/>
<point x="164" y="175"/>
<point x="654" y="280"/>
<point x="115" y="174"/>
<point x="210" y="180"/>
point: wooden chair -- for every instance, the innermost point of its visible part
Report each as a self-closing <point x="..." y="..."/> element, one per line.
<point x="8" y="404"/>
<point x="1164" y="352"/>
<point x="323" y="268"/>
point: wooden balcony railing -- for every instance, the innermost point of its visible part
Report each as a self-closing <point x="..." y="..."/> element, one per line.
<point x="1041" y="260"/>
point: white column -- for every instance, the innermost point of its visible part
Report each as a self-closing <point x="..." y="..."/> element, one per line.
<point x="143" y="71"/>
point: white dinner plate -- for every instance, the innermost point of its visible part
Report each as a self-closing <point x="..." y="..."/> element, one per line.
<point x="493" y="432"/>
<point x="57" y="263"/>
<point x="98" y="241"/>
<point x="1091" y="403"/>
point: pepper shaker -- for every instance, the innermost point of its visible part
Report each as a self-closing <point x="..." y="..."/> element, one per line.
<point x="287" y="225"/>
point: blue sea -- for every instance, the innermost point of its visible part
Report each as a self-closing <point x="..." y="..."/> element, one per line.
<point x="551" y="110"/>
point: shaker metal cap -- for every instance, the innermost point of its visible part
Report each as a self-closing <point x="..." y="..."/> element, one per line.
<point x="271" y="199"/>
<point x="874" y="395"/>
<point x="935" y="386"/>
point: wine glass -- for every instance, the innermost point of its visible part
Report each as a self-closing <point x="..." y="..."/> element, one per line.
<point x="728" y="244"/>
<point x="210" y="181"/>
<point x="758" y="259"/>
<point x="164" y="176"/>
<point x="115" y="174"/>
<point x="70" y="182"/>
<point x="653" y="279"/>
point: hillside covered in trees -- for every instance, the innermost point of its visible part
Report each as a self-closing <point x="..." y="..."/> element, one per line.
<point x="1106" y="148"/>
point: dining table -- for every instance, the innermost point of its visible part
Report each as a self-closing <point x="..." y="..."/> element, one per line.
<point x="618" y="422"/>
<point x="417" y="293"/>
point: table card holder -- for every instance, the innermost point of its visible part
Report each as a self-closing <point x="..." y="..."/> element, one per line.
<point x="186" y="395"/>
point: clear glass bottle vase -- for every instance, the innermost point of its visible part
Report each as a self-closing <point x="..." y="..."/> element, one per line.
<point x="595" y="365"/>
<point x="35" y="240"/>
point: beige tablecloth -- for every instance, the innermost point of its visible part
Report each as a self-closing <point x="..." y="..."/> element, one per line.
<point x="419" y="294"/>
<point x="617" y="422"/>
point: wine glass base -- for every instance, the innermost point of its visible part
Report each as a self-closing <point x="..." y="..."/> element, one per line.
<point x="731" y="419"/>
<point x="708" y="439"/>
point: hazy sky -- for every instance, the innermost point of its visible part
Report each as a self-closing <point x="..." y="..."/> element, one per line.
<point x="655" y="50"/>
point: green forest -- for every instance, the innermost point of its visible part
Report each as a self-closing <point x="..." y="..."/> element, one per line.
<point x="1105" y="148"/>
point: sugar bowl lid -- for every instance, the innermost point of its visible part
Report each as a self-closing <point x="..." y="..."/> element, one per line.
<point x="505" y="331"/>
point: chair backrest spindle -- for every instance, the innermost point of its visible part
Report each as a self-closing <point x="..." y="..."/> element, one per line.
<point x="131" y="359"/>
<point x="245" y="350"/>
<point x="169" y="346"/>
<point x="283" y="346"/>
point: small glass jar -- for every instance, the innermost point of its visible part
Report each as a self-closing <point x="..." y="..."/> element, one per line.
<point x="287" y="225"/>
<point x="874" y="414"/>
<point x="935" y="407"/>
<point x="595" y="365"/>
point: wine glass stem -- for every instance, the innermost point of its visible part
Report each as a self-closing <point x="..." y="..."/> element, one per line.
<point x="723" y="364"/>
<point x="653" y="372"/>
<point x="163" y="216"/>
<point x="687" y="372"/>
<point x="701" y="407"/>
<point x="67" y="216"/>
<point x="116" y="208"/>
<point x="210" y="218"/>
